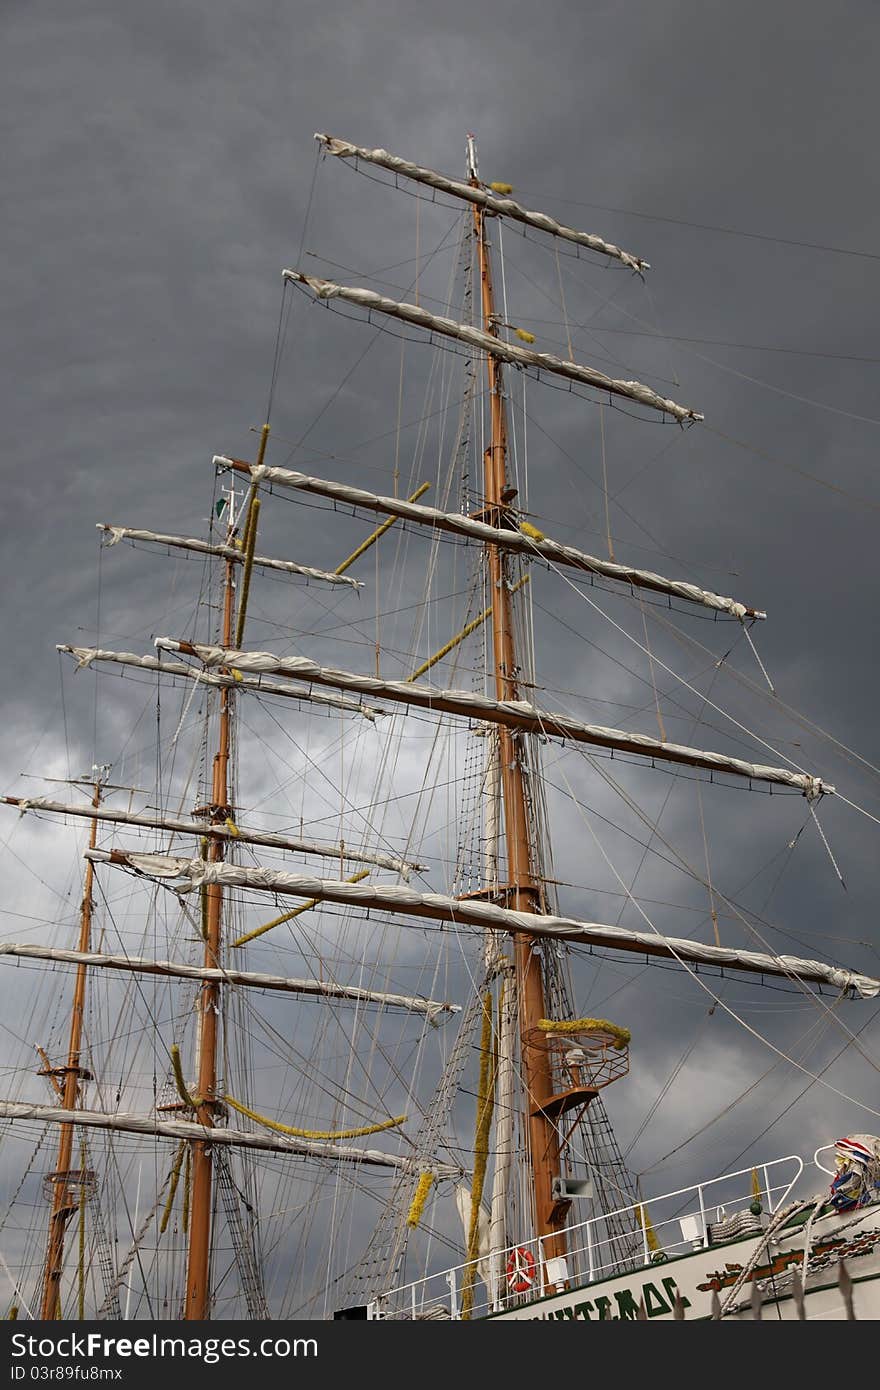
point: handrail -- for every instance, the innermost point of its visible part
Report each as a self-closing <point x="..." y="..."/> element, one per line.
<point x="588" y="1227"/>
<point x="821" y="1166"/>
<point x="782" y="1200"/>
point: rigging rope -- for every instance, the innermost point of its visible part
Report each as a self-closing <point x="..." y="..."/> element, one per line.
<point x="814" y="998"/>
<point x="314" y="1133"/>
<point x="698" y="980"/>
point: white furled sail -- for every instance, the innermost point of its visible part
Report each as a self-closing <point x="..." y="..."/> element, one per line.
<point x="226" y="552"/>
<point x="228" y="832"/>
<point x="254" y="979"/>
<point x="482" y="197"/>
<point x="506" y="538"/>
<point x="494" y="347"/>
<point x="84" y="656"/>
<point x="516" y="714"/>
<point x="470" y="912"/>
<point x="505" y="1111"/>
<point x="235" y="1138"/>
<point x="465" y="1207"/>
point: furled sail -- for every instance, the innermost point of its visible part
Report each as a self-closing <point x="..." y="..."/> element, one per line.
<point x="471" y="912"/>
<point x="236" y="1138"/>
<point x="84" y="656"/>
<point x="488" y="343"/>
<point x="516" y="714"/>
<point x="226" y="832"/>
<point x="481" y="197"/>
<point x="255" y="979"/>
<point x="506" y="538"/>
<point x="226" y="552"/>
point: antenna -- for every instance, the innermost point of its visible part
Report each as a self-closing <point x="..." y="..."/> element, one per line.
<point x="231" y="497"/>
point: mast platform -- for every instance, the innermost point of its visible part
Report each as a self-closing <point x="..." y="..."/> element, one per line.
<point x="581" y="1062"/>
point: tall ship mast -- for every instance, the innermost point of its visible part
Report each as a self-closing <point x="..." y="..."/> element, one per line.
<point x="334" y="1043"/>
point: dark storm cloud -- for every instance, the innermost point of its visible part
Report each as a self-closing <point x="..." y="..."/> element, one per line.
<point x="156" y="180"/>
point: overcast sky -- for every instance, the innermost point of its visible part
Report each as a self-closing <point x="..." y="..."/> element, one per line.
<point x="158" y="161"/>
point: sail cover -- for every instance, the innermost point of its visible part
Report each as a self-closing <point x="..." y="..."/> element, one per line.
<point x="195" y="872"/>
<point x="84" y="656"/>
<point x="226" y="552"/>
<point x="494" y="347"/>
<point x="504" y="537"/>
<point x="236" y="1138"/>
<point x="142" y="965"/>
<point x="481" y="197"/>
<point x="517" y="714"/>
<point x="228" y="832"/>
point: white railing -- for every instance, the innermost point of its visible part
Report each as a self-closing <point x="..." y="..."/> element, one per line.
<point x="672" y="1224"/>
<point x="826" y="1148"/>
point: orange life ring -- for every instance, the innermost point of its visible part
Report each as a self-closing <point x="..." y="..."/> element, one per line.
<point x="520" y="1269"/>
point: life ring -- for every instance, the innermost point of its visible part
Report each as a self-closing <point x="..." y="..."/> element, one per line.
<point x="520" y="1269"/>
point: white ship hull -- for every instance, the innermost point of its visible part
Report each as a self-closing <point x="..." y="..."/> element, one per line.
<point x="853" y="1238"/>
<point x="694" y="1255"/>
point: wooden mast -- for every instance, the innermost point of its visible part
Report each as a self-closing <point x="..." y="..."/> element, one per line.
<point x="197" y="1302"/>
<point x="523" y="893"/>
<point x="64" y="1200"/>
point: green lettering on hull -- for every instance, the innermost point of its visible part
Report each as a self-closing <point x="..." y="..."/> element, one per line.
<point x="627" y="1306"/>
<point x="655" y="1303"/>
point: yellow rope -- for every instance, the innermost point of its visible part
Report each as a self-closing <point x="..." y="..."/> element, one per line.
<point x="621" y="1036"/>
<point x="313" y="1133"/>
<point x="504" y="188"/>
<point x="252" y="494"/>
<point x="460" y="636"/>
<point x="531" y="531"/>
<point x="172" y="1189"/>
<point x="288" y="916"/>
<point x="250" y="542"/>
<point x="645" y="1221"/>
<point x="485" y="1107"/>
<point x="241" y="542"/>
<point x="379" y="531"/>
<point x="184" y="1094"/>
<point x="419" y="1199"/>
<point x="264" y="440"/>
<point x="187" y="1178"/>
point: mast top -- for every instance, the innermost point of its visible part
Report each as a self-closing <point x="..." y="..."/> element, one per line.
<point x="473" y="173"/>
